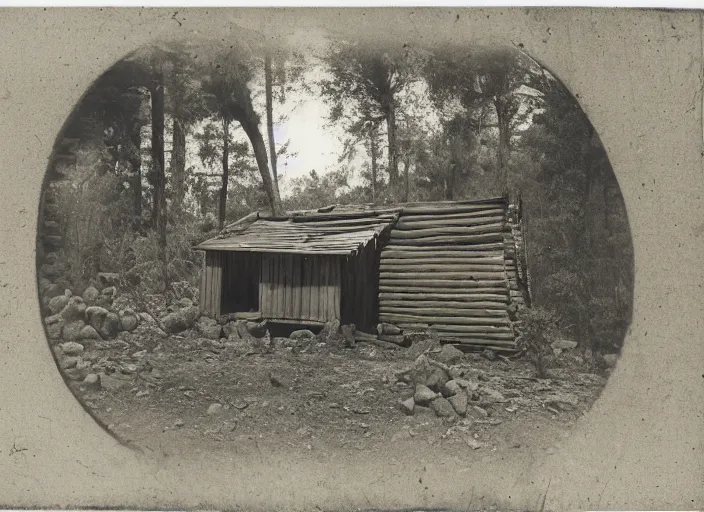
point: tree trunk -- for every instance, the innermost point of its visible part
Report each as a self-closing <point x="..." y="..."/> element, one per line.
<point x="374" y="154"/>
<point x="225" y="172"/>
<point x="178" y="165"/>
<point x="270" y="117"/>
<point x="257" y="141"/>
<point x="135" y="163"/>
<point x="157" y="94"/>
<point x="393" y="150"/>
<point x="407" y="186"/>
<point x="504" y="124"/>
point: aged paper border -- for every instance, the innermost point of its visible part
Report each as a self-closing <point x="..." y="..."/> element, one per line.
<point x="638" y="75"/>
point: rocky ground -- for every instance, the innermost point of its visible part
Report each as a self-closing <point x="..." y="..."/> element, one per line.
<point x="161" y="391"/>
<point x="170" y="381"/>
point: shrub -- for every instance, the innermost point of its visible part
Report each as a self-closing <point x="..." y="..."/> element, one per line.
<point x="538" y="330"/>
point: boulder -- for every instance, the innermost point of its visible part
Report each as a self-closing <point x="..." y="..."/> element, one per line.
<point x="92" y="381"/>
<point x="492" y="395"/>
<point x="110" y="327"/>
<point x="301" y="334"/>
<point x="257" y="329"/>
<point x="74" y="310"/>
<point x="110" y="291"/>
<point x="449" y="355"/>
<point x="128" y="320"/>
<point x="68" y="362"/>
<point x="88" y="333"/>
<point x="71" y="348"/>
<point x="467" y="384"/>
<point x="72" y="330"/>
<point x="54" y="325"/>
<point x="437" y="379"/>
<point x="68" y="293"/>
<point x="459" y="402"/>
<point x="229" y="329"/>
<point x="90" y="295"/>
<point x="209" y="328"/>
<point x="384" y="328"/>
<point x="95" y="316"/>
<point x="451" y="388"/>
<point x="53" y="331"/>
<point x="330" y="330"/>
<point x="78" y="372"/>
<point x="407" y="406"/>
<point x="442" y="407"/>
<point x="180" y="320"/>
<point x="424" y="395"/>
<point x="56" y="304"/>
<point x="478" y="412"/>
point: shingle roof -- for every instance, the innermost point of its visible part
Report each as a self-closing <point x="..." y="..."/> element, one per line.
<point x="342" y="233"/>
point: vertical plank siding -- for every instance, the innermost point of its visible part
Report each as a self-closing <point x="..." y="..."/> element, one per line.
<point x="300" y="287"/>
<point x="211" y="288"/>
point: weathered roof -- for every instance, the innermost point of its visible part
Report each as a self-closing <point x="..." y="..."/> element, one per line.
<point x="342" y="233"/>
<point x="335" y="229"/>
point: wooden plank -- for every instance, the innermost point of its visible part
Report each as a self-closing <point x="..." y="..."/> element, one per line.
<point x="289" y="299"/>
<point x="316" y="270"/>
<point x="323" y="289"/>
<point x="337" y="288"/>
<point x="395" y="257"/>
<point x="296" y="271"/>
<point x="203" y="284"/>
<point x="429" y="210"/>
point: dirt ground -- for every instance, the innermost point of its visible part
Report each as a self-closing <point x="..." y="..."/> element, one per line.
<point x="189" y="394"/>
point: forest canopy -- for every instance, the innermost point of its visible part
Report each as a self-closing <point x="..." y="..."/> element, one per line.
<point x="177" y="140"/>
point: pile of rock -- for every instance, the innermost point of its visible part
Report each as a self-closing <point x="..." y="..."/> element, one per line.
<point x="444" y="390"/>
<point x="87" y="318"/>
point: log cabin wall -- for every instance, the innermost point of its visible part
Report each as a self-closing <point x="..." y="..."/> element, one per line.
<point x="211" y="283"/>
<point x="300" y="288"/>
<point x="451" y="269"/>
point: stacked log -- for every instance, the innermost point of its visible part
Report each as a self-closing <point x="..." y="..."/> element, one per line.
<point x="451" y="269"/>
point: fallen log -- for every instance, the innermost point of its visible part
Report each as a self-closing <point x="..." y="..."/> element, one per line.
<point x="362" y="337"/>
<point x="458" y="331"/>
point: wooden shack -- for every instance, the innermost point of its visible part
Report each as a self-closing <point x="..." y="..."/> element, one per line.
<point x="307" y="268"/>
<point x="456" y="268"/>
